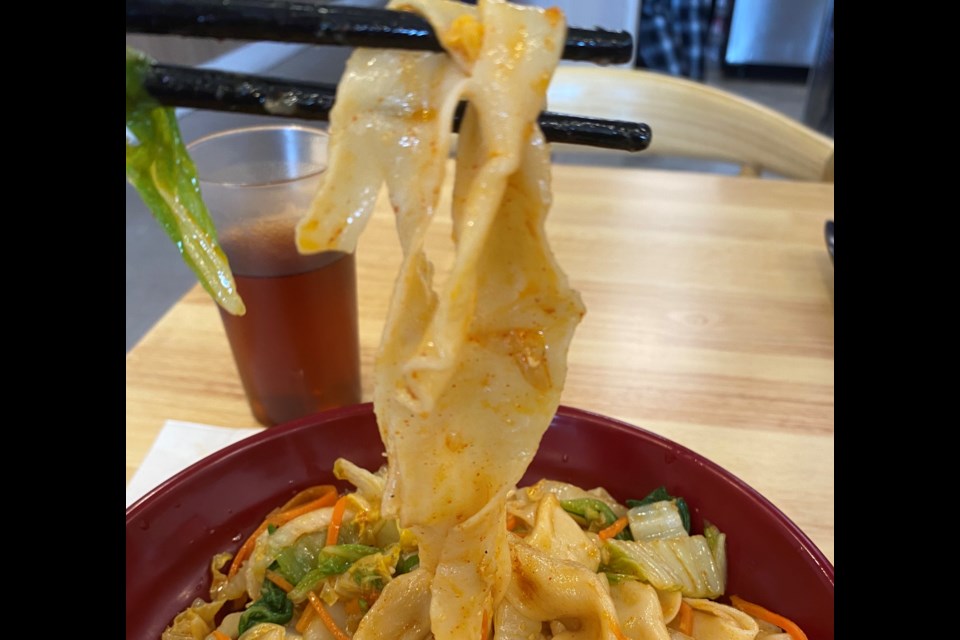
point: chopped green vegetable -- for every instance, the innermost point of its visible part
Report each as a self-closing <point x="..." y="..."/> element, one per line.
<point x="659" y="494"/>
<point x="673" y="564"/>
<point x="334" y="554"/>
<point x="368" y="576"/>
<point x="616" y="578"/>
<point x="717" y="541"/>
<point x="713" y="535"/>
<point x="387" y="532"/>
<point x="408" y="564"/>
<point x="332" y="560"/>
<point x="161" y="170"/>
<point x="308" y="583"/>
<point x="659" y="519"/>
<point x="594" y="514"/>
<point x="273" y="606"/>
<point x="350" y="533"/>
<point x="294" y="562"/>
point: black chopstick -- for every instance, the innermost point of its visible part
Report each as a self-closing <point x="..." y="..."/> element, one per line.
<point x="311" y="23"/>
<point x="179" y="86"/>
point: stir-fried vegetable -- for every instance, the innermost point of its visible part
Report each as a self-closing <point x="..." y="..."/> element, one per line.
<point x="196" y="621"/>
<point x="337" y="519"/>
<point x="327" y="496"/>
<point x="656" y="520"/>
<point x="762" y="613"/>
<point x="161" y="170"/>
<point x="273" y="606"/>
<point x="685" y="564"/>
<point x="279" y="580"/>
<point x="295" y="579"/>
<point x="295" y="561"/>
<point x="659" y="494"/>
<point x="408" y="564"/>
<point x="717" y="541"/>
<point x="368" y="576"/>
<point x="613" y="530"/>
<point x="594" y="513"/>
<point x="332" y="560"/>
<point x="328" y="622"/>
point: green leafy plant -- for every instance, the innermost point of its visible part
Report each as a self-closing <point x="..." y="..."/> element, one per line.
<point x="160" y="169"/>
<point x="273" y="606"/>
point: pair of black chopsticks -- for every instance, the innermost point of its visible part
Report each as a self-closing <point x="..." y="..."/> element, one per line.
<point x="307" y="22"/>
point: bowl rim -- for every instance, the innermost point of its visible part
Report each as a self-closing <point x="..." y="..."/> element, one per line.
<point x="280" y="431"/>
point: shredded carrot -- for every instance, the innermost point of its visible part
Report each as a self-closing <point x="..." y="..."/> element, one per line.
<point x="334" y="530"/>
<point x="325" y="500"/>
<point x="352" y="607"/>
<point x="305" y="619"/>
<point x="307" y="495"/>
<point x="485" y="625"/>
<point x="512" y="522"/>
<point x="619" y="634"/>
<point x="685" y="619"/>
<point x="220" y="635"/>
<point x="245" y="550"/>
<point x="619" y="525"/>
<point x="279" y="580"/>
<point x="326" y="619"/>
<point x="766" y="615"/>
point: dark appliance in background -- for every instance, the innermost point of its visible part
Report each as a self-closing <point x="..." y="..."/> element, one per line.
<point x="788" y="40"/>
<point x="771" y="39"/>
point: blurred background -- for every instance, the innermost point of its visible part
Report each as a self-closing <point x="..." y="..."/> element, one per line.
<point x="777" y="53"/>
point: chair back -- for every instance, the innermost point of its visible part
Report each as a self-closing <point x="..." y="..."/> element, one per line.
<point x="693" y="120"/>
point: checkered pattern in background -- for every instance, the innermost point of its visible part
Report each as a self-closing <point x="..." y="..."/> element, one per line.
<point x="672" y="36"/>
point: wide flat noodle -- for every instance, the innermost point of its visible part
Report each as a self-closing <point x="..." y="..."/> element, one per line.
<point x="715" y="621"/>
<point x="547" y="588"/>
<point x="638" y="608"/>
<point x="467" y="378"/>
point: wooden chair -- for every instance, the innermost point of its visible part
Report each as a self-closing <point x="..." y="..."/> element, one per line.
<point x="693" y="120"/>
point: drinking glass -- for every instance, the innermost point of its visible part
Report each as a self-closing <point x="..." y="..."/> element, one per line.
<point x="297" y="347"/>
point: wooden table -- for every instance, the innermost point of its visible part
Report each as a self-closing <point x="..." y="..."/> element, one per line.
<point x="709" y="321"/>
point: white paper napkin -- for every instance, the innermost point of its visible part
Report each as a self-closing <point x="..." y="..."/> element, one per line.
<point x="179" y="445"/>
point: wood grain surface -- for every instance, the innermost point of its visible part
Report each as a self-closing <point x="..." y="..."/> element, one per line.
<point x="710" y="321"/>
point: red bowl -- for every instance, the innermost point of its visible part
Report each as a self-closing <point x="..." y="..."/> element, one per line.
<point x="210" y="507"/>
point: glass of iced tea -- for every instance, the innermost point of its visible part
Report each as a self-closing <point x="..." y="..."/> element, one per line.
<point x="297" y="347"/>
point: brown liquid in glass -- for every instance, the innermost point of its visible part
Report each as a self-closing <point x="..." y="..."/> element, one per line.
<point x="297" y="347"/>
